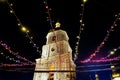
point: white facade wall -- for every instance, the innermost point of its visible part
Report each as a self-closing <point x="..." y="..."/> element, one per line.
<point x="56" y="56"/>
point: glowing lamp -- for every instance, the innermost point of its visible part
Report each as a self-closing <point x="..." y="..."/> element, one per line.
<point x="51" y="67"/>
<point x="78" y="37"/>
<point x="116" y="76"/>
<point x="11" y="11"/>
<point x="11" y="4"/>
<point x="84" y="1"/>
<point x="24" y="29"/>
<point x="96" y="75"/>
<point x="18" y="24"/>
<point x="112" y="67"/>
<point x="112" y="52"/>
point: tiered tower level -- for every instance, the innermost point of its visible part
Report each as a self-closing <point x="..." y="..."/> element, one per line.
<point x="56" y="60"/>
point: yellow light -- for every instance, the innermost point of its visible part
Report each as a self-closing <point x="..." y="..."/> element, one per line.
<point x="57" y="24"/>
<point x="115" y="49"/>
<point x="11" y="4"/>
<point x="77" y="42"/>
<point x="84" y="1"/>
<point x="81" y="21"/>
<point x="11" y="11"/>
<point x="28" y="31"/>
<point x="19" y="24"/>
<point x="51" y="67"/>
<point x="78" y="37"/>
<point x="115" y="75"/>
<point x="83" y="24"/>
<point x="112" y="66"/>
<point x="31" y="37"/>
<point x="24" y="29"/>
<point x="96" y="75"/>
<point x="112" y="52"/>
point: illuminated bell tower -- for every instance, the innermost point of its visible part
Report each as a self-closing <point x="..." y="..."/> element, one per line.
<point x="56" y="61"/>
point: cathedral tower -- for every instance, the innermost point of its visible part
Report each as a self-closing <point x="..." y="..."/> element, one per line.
<point x="56" y="60"/>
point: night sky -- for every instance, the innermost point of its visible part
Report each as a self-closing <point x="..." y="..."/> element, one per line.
<point x="98" y="17"/>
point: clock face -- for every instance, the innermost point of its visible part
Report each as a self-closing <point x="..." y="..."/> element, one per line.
<point x="52" y="49"/>
<point x="53" y="38"/>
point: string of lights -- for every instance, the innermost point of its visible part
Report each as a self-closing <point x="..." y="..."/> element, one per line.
<point x="33" y="43"/>
<point x="23" y="28"/>
<point x="107" y="58"/>
<point x="26" y="64"/>
<point x="102" y="60"/>
<point x="112" y="52"/>
<point x="16" y="65"/>
<point x="8" y="57"/>
<point x="80" y="30"/>
<point x="17" y="60"/>
<point x="49" y="15"/>
<point x="8" y="48"/>
<point x="32" y="70"/>
<point x="78" y="37"/>
<point x="104" y="40"/>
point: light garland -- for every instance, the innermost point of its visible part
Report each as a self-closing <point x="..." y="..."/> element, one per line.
<point x="32" y="69"/>
<point x="8" y="48"/>
<point x="16" y="65"/>
<point x="107" y="58"/>
<point x="8" y="57"/>
<point x="26" y="64"/>
<point x="49" y="15"/>
<point x="80" y="30"/>
<point x="33" y="43"/>
<point x="24" y="29"/>
<point x="78" y="67"/>
<point x="112" y="52"/>
<point x="78" y="37"/>
<point x="102" y="60"/>
<point x="104" y="40"/>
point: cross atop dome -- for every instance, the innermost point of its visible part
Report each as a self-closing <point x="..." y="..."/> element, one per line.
<point x="57" y="25"/>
